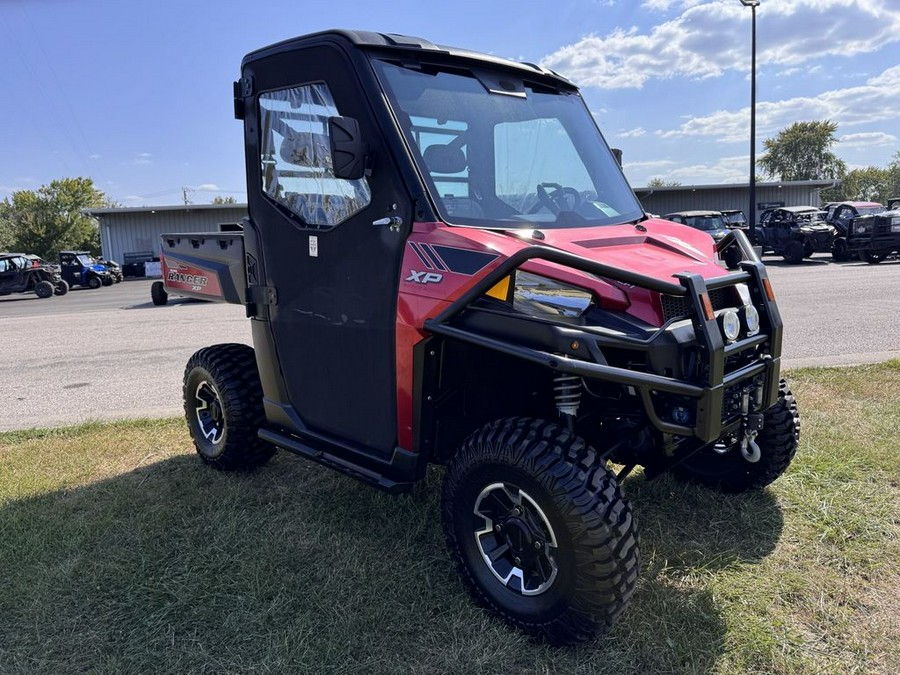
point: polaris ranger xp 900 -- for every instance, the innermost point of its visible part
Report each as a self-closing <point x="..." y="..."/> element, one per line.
<point x="444" y="263"/>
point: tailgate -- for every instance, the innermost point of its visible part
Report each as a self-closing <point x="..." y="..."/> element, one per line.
<point x="208" y="266"/>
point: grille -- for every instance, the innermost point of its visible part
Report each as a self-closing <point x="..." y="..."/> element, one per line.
<point x="676" y="306"/>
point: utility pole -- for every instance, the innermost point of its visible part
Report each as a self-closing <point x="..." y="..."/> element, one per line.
<point x="185" y="192"/>
<point x="752" y="4"/>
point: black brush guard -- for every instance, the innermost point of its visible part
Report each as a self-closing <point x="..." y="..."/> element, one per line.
<point x="708" y="393"/>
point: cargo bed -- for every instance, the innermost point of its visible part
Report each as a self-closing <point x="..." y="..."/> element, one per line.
<point x="206" y="265"/>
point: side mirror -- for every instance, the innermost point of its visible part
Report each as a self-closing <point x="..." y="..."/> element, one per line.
<point x="348" y="152"/>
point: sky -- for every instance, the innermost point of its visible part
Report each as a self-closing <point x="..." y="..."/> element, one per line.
<point x="138" y="95"/>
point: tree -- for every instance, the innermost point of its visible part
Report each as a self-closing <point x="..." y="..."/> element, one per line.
<point x="51" y="218"/>
<point x="802" y="151"/>
<point x="659" y="183"/>
<point x="224" y="200"/>
<point x="870" y="184"/>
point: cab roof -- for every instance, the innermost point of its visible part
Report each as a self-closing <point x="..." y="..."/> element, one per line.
<point x="408" y="47"/>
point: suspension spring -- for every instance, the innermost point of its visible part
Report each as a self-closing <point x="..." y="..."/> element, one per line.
<point x="567" y="392"/>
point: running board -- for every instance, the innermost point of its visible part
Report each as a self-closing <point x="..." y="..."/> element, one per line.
<point x="332" y="461"/>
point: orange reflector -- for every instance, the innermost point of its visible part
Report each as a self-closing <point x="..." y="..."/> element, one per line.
<point x="707" y="307"/>
<point x="770" y="294"/>
<point x="500" y="290"/>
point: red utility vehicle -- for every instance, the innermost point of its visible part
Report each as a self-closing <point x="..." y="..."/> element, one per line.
<point x="444" y="263"/>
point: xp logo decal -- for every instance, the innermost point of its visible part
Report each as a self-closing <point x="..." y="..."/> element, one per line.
<point x="424" y="277"/>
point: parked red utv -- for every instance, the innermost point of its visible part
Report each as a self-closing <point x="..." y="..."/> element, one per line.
<point x="444" y="263"/>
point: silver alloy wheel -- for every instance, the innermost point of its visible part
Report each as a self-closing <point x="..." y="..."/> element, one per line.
<point x="210" y="416"/>
<point x="515" y="539"/>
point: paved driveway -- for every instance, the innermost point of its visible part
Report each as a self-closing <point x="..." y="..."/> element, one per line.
<point x="109" y="353"/>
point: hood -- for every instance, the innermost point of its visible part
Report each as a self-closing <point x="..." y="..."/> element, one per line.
<point x="655" y="248"/>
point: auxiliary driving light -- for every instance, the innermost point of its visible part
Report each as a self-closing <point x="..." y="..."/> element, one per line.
<point x="751" y="317"/>
<point x="731" y="324"/>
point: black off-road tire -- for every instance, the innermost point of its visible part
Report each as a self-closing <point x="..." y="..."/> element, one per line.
<point x="873" y="257"/>
<point x="61" y="288"/>
<point x="223" y="405"/>
<point x="107" y="281"/>
<point x="730" y="472"/>
<point x="794" y="252"/>
<point x="840" y="252"/>
<point x="596" y="553"/>
<point x="94" y="282"/>
<point x="44" y="289"/>
<point x="158" y="293"/>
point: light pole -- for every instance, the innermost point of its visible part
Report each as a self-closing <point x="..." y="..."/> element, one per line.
<point x="752" y="4"/>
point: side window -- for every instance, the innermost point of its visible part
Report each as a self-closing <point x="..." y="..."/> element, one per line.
<point x="296" y="157"/>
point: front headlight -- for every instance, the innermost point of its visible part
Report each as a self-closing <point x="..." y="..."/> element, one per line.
<point x="860" y="229"/>
<point x="730" y="324"/>
<point x="539" y="296"/>
<point x="751" y="318"/>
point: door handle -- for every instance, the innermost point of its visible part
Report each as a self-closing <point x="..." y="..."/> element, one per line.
<point x="393" y="221"/>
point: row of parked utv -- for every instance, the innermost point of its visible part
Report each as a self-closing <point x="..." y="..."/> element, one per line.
<point x="869" y="231"/>
<point x="26" y="273"/>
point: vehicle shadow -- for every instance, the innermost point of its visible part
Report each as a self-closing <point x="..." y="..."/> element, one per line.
<point x="173" y="566"/>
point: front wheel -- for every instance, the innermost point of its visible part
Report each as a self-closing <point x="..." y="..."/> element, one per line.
<point x="95" y="282"/>
<point x="539" y="530"/>
<point x="61" y="288"/>
<point x="223" y="404"/>
<point x="723" y="466"/>
<point x="794" y="252"/>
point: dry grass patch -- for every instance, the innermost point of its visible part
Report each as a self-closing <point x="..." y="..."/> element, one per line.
<point x="122" y="553"/>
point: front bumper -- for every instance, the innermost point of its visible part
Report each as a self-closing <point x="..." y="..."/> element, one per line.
<point x="713" y="382"/>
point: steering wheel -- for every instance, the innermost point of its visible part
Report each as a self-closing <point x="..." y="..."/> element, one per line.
<point x="557" y="199"/>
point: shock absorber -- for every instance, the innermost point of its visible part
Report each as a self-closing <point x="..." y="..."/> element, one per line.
<point x="567" y="392"/>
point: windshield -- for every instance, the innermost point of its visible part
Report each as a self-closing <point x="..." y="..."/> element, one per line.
<point x="705" y="222"/>
<point x="532" y="158"/>
<point x="869" y="210"/>
<point x="734" y="218"/>
<point x="85" y="260"/>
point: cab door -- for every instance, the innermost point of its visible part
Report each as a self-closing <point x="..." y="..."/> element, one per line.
<point x="330" y="258"/>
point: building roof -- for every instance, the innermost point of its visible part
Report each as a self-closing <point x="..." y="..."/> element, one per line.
<point x="740" y="186"/>
<point x="99" y="213"/>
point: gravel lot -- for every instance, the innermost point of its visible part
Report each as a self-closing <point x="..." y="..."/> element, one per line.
<point x="110" y="353"/>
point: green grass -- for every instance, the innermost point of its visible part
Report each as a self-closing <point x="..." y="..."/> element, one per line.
<point x="121" y="553"/>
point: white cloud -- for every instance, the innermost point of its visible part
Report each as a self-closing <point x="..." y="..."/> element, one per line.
<point x="651" y="164"/>
<point x="709" y="38"/>
<point x="143" y="159"/>
<point x="133" y="198"/>
<point x="868" y="139"/>
<point x="875" y="101"/>
<point x="632" y="133"/>
<point x="94" y="156"/>
<point x="208" y="187"/>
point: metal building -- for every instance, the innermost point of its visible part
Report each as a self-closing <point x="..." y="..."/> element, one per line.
<point x="130" y="236"/>
<point x="663" y="200"/>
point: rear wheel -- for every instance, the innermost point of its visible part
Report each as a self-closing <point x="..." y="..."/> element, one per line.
<point x="44" y="289"/>
<point x="158" y="293"/>
<point x="223" y="404"/>
<point x="539" y="530"/>
<point x="61" y="288"/>
<point x="94" y="282"/>
<point x="873" y="257"/>
<point x="725" y="467"/>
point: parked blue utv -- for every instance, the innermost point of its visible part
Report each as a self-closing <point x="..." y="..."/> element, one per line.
<point x="79" y="269"/>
